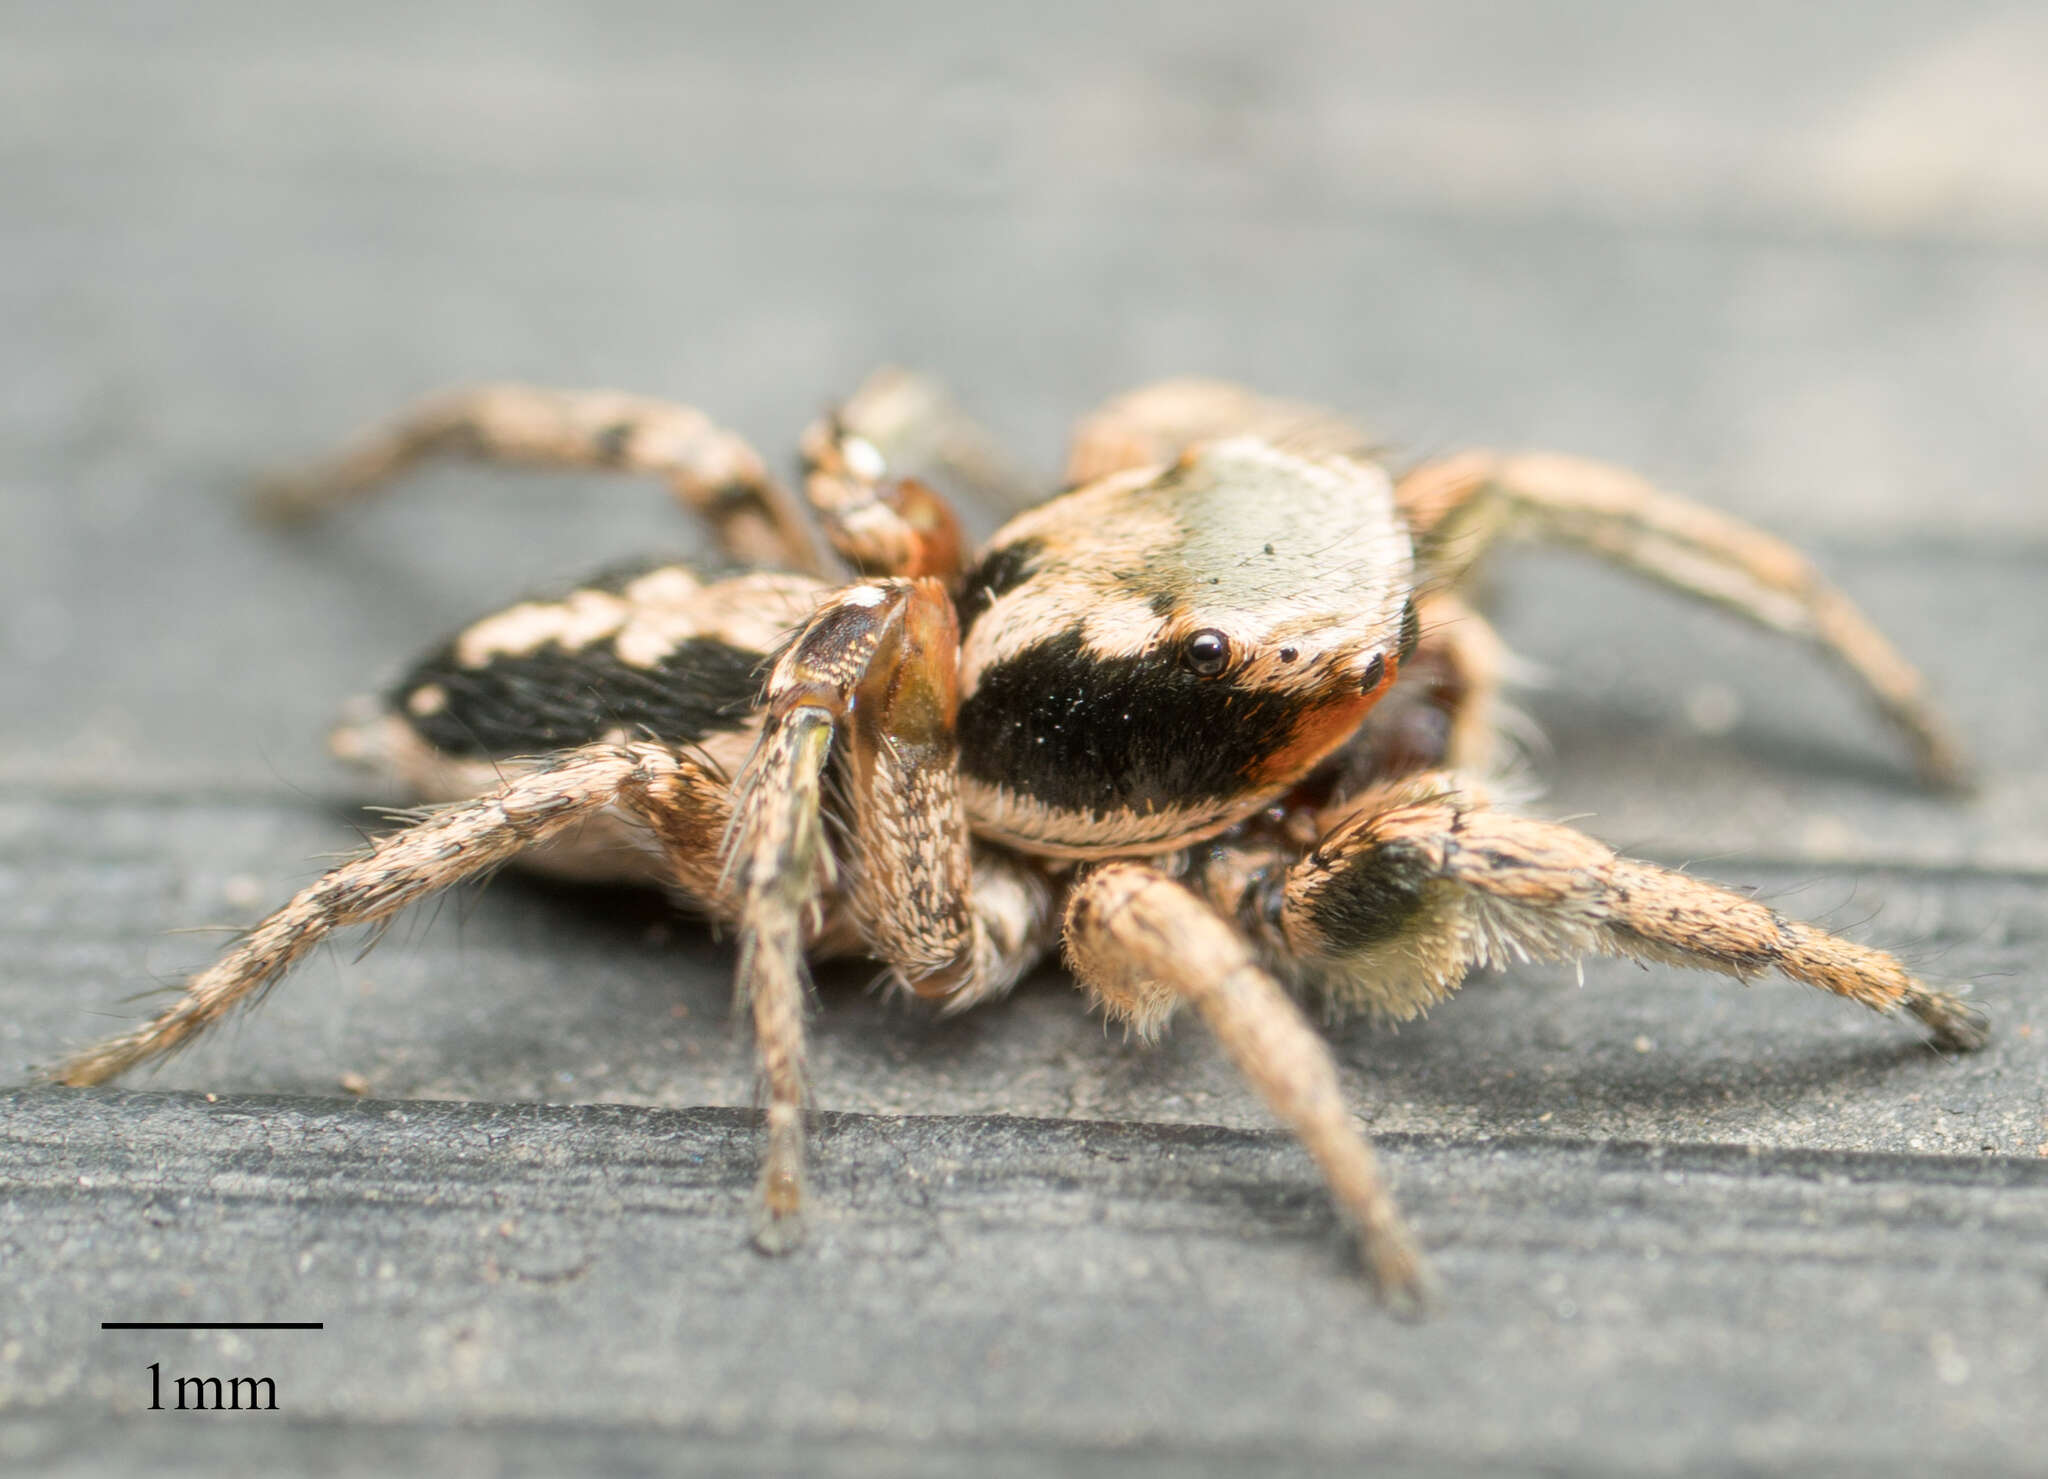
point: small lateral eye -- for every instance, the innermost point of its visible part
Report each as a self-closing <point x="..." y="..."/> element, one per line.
<point x="1206" y="653"/>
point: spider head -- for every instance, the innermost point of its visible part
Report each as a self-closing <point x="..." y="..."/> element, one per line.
<point x="1150" y="658"/>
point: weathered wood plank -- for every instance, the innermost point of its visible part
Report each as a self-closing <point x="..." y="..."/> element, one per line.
<point x="999" y="1281"/>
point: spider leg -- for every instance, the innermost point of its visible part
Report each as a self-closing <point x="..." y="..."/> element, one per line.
<point x="1154" y="424"/>
<point x="1461" y="505"/>
<point x="663" y="653"/>
<point x="1142" y="944"/>
<point x="872" y="677"/>
<point x="1418" y="883"/>
<point x="711" y="471"/>
<point x="684" y="808"/>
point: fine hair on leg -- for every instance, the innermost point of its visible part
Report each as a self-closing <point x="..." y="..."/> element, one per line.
<point x="1142" y="944"/>
<point x="684" y="808"/>
<point x="1424" y="880"/>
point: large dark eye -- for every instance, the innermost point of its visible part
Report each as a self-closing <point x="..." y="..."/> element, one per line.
<point x="1206" y="653"/>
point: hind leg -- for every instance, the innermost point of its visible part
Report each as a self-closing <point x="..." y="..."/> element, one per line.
<point x="711" y="471"/>
<point x="683" y="808"/>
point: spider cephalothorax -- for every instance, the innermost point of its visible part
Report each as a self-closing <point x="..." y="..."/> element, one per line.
<point x="1215" y="720"/>
<point x="1151" y="658"/>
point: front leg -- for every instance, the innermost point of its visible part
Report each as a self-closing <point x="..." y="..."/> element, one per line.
<point x="861" y="708"/>
<point x="1420" y="882"/>
<point x="1143" y="944"/>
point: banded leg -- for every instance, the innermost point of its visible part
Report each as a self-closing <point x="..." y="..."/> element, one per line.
<point x="1153" y="425"/>
<point x="780" y="865"/>
<point x="685" y="809"/>
<point x="711" y="471"/>
<point x="873" y="677"/>
<point x="1461" y="505"/>
<point x="1422" y="881"/>
<point x="1142" y="944"/>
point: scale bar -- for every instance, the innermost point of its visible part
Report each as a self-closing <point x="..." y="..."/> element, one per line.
<point x="213" y="1324"/>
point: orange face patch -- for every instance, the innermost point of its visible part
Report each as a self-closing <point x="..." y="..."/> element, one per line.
<point x="1321" y="729"/>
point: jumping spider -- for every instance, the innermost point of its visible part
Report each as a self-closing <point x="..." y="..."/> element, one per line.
<point x="1216" y="720"/>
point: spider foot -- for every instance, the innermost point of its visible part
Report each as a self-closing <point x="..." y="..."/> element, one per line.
<point x="1400" y="1274"/>
<point x="1957" y="1026"/>
<point x="779" y="1194"/>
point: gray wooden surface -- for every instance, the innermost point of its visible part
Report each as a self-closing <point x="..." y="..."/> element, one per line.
<point x="1793" y="259"/>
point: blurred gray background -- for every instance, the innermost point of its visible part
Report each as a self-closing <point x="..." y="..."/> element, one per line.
<point x="1790" y="259"/>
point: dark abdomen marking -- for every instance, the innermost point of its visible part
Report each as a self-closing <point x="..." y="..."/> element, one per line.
<point x="553" y="697"/>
